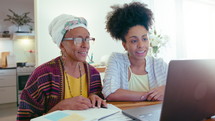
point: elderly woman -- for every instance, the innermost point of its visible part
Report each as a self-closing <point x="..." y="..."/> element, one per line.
<point x="133" y="76"/>
<point x="67" y="82"/>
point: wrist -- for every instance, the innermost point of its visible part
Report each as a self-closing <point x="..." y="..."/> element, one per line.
<point x="57" y="106"/>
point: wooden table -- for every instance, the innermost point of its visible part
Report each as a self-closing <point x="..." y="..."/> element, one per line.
<point x="128" y="105"/>
<point x="100" y="69"/>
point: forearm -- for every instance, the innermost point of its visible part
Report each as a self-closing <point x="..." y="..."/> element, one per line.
<point x="56" y="107"/>
<point x="127" y="95"/>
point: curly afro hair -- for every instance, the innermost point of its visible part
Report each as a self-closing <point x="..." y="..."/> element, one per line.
<point x="121" y="19"/>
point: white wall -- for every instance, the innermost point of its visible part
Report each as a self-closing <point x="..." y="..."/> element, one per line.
<point x="94" y="11"/>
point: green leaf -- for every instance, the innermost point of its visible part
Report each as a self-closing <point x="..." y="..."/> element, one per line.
<point x="17" y="19"/>
<point x="155" y="49"/>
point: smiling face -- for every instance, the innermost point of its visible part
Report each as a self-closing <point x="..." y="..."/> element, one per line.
<point x="73" y="51"/>
<point x="137" y="42"/>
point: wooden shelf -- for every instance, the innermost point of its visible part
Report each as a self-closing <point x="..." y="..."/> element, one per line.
<point x="5" y="38"/>
<point x="22" y="35"/>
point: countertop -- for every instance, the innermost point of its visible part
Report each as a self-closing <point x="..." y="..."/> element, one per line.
<point x="8" y="68"/>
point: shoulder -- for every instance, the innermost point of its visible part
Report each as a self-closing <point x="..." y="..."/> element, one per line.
<point x="46" y="73"/>
<point x="152" y="60"/>
<point x="120" y="57"/>
<point x="53" y="66"/>
<point x="155" y="63"/>
<point x="92" y="69"/>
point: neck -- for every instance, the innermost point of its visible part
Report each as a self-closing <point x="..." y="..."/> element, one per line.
<point x="137" y="63"/>
<point x="138" y="66"/>
<point x="72" y="67"/>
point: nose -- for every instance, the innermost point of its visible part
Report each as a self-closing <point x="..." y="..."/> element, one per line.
<point x="85" y="44"/>
<point x="140" y="44"/>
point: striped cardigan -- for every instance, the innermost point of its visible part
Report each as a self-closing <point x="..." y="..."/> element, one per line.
<point x="45" y="88"/>
<point x="116" y="74"/>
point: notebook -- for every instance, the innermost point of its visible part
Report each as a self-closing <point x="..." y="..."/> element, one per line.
<point x="189" y="94"/>
<point x="92" y="114"/>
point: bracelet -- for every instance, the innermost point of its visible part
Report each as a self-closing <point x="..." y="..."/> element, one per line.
<point x="142" y="98"/>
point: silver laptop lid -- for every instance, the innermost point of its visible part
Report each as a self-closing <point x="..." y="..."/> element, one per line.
<point x="190" y="91"/>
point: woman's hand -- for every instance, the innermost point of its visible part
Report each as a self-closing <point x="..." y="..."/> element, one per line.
<point x="156" y="94"/>
<point x="97" y="101"/>
<point x="75" y="103"/>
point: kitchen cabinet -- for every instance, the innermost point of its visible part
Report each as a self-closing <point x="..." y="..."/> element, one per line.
<point x="7" y="85"/>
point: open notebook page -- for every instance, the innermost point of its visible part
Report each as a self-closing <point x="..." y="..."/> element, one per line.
<point x="92" y="114"/>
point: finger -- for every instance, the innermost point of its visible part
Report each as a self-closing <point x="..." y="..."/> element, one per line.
<point x="149" y="93"/>
<point x="104" y="103"/>
<point x="93" y="101"/>
<point x="151" y="96"/>
<point x="144" y="96"/>
<point x="98" y="102"/>
<point x="156" y="97"/>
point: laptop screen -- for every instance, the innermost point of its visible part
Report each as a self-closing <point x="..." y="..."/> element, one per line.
<point x="190" y="91"/>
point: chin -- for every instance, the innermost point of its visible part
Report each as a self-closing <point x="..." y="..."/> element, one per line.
<point x="82" y="60"/>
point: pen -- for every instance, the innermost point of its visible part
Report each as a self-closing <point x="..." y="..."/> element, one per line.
<point x="103" y="107"/>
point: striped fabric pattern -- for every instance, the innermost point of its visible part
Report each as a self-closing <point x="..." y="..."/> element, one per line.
<point x="116" y="75"/>
<point x="45" y="88"/>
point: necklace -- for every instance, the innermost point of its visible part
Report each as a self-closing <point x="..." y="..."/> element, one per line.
<point x="67" y="79"/>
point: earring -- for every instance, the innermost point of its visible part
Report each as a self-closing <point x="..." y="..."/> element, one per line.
<point x="63" y="55"/>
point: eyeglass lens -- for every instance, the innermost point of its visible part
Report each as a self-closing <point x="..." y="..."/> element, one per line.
<point x="79" y="41"/>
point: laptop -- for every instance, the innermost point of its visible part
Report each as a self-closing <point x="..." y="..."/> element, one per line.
<point x="189" y="94"/>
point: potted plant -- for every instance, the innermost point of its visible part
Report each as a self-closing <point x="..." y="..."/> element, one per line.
<point x="19" y="20"/>
<point x="156" y="41"/>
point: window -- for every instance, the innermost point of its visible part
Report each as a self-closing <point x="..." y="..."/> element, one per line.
<point x="190" y="24"/>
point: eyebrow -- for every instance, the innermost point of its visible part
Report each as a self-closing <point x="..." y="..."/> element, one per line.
<point x="144" y="35"/>
<point x="136" y="36"/>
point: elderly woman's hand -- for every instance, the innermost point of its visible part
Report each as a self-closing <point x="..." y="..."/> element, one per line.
<point x="156" y="94"/>
<point x="97" y="101"/>
<point x="75" y="103"/>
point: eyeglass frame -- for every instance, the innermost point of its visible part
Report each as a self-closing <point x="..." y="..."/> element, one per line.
<point x="82" y="40"/>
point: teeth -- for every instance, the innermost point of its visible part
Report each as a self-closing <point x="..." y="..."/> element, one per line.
<point x="83" y="52"/>
<point x="140" y="51"/>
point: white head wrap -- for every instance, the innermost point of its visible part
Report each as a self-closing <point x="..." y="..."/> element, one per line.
<point x="59" y="26"/>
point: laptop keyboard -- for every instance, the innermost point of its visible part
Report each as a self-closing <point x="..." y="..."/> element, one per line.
<point x="154" y="116"/>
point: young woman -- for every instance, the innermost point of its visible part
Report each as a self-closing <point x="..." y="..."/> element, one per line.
<point x="133" y="76"/>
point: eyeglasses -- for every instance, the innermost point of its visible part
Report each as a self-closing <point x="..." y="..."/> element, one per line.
<point x="78" y="41"/>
